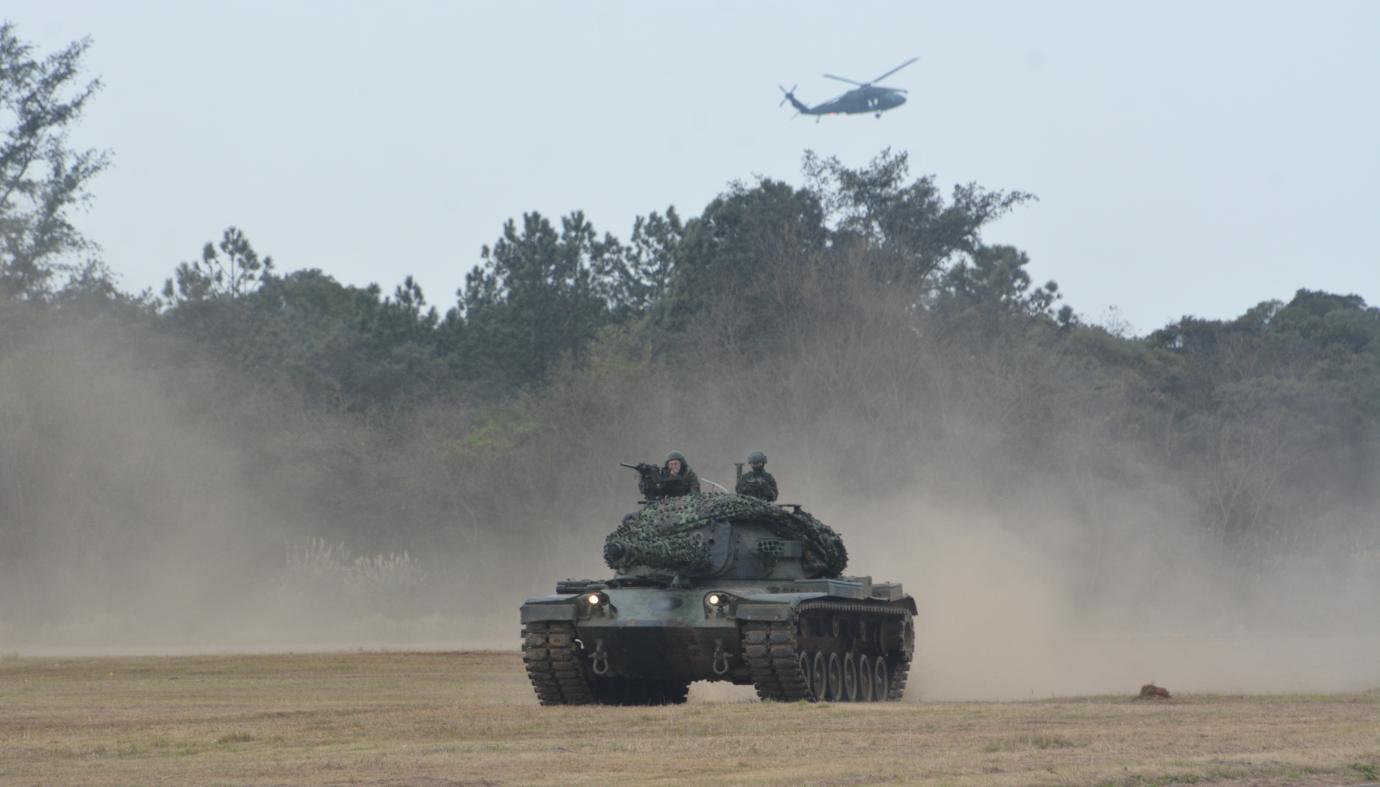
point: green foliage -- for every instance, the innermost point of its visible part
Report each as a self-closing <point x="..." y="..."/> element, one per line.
<point x="539" y="294"/>
<point x="739" y="253"/>
<point x="305" y="333"/>
<point x="1279" y="409"/>
<point x="1366" y="771"/>
<point x="908" y="231"/>
<point x="994" y="281"/>
<point x="646" y="269"/>
<point x="42" y="179"/>
<point x="231" y="272"/>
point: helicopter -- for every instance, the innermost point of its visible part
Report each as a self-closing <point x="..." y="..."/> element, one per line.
<point x="866" y="97"/>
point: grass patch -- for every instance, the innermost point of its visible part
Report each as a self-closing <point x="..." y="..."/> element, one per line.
<point x="1164" y="779"/>
<point x="1031" y="742"/>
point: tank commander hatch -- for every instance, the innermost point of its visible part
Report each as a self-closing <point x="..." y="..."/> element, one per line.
<point x="673" y="479"/>
<point x="757" y="482"/>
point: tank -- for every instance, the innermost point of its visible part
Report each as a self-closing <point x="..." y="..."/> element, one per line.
<point x="720" y="587"/>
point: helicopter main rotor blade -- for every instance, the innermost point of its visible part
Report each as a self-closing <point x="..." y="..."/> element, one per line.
<point x="894" y="70"/>
<point x="841" y="79"/>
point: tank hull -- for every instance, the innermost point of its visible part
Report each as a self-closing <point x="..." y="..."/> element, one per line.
<point x="804" y="639"/>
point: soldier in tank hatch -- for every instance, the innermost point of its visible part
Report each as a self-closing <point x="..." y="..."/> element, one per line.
<point x="757" y="482"/>
<point x="673" y="479"/>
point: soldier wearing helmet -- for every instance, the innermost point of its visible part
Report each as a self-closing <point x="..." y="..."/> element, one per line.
<point x="673" y="479"/>
<point x="757" y="482"/>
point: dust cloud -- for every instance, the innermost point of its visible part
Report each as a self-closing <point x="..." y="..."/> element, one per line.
<point x="153" y="501"/>
<point x="1006" y="615"/>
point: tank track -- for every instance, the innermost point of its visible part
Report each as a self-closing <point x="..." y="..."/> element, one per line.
<point x="901" y="664"/>
<point x="555" y="663"/>
<point x="773" y="657"/>
<point x="772" y="650"/>
<point x="851" y="606"/>
<point x="899" y="670"/>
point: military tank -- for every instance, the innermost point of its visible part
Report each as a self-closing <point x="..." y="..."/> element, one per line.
<point x="720" y="587"/>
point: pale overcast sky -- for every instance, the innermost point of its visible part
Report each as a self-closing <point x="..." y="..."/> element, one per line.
<point x="1190" y="157"/>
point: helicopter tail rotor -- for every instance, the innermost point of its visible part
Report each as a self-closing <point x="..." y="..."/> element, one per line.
<point x="789" y="95"/>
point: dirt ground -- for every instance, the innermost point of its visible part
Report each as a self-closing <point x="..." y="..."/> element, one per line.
<point x="470" y="718"/>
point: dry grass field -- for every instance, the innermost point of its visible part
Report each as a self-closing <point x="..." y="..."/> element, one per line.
<point x="470" y="718"/>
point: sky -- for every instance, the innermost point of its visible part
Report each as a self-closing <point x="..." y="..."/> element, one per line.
<point x="1190" y="158"/>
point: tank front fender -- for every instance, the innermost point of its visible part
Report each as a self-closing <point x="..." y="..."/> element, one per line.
<point x="770" y="606"/>
<point x="763" y="612"/>
<point x="549" y="608"/>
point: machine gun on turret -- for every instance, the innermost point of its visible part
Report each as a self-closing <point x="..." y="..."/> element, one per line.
<point x="649" y="475"/>
<point x="643" y="469"/>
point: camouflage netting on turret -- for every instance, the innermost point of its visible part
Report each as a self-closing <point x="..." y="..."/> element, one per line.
<point x="665" y="534"/>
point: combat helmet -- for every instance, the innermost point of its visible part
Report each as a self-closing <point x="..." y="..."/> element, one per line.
<point x="757" y="458"/>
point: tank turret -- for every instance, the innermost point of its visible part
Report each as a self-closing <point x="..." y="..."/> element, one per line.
<point x="723" y="537"/>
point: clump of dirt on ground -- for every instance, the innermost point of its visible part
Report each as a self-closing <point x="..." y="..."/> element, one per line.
<point x="1152" y="692"/>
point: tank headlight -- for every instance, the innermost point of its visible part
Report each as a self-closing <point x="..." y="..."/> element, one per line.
<point x="594" y="599"/>
<point x="717" y="600"/>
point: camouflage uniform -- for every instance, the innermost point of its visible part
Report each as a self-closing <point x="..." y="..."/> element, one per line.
<point x="664" y="484"/>
<point x="757" y="483"/>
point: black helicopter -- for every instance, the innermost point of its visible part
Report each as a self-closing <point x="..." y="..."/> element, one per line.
<point x="866" y="97"/>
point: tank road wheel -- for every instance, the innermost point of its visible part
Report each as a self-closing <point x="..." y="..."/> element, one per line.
<point x="865" y="679"/>
<point x="835" y="678"/>
<point x="819" y="677"/>
<point x="805" y="665"/>
<point x="773" y="658"/>
<point x="850" y="678"/>
<point x="879" y="680"/>
<point x="555" y="663"/>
